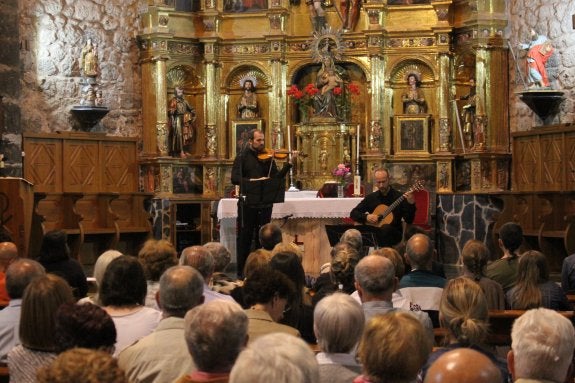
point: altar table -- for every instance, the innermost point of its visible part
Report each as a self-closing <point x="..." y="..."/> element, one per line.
<point x="302" y="218"/>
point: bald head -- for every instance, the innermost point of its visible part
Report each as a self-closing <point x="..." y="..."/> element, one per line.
<point x="19" y="275"/>
<point x="419" y="251"/>
<point x="375" y="278"/>
<point x="8" y="252"/>
<point x="463" y="365"/>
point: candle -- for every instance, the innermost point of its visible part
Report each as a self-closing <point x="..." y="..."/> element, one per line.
<point x="357" y="144"/>
<point x="288" y="139"/>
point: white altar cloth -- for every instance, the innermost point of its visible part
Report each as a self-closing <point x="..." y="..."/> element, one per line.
<point x="303" y="218"/>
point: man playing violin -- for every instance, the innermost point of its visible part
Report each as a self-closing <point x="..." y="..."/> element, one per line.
<point x="248" y="167"/>
<point x="386" y="208"/>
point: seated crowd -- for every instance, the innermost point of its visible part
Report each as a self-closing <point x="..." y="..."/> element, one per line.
<point x="369" y="317"/>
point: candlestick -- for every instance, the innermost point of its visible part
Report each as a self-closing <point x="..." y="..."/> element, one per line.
<point x="357" y="141"/>
<point x="292" y="187"/>
<point x="357" y="176"/>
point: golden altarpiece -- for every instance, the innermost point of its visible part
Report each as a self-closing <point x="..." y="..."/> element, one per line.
<point x="209" y="52"/>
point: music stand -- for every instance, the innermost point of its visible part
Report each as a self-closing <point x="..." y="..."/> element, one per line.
<point x="368" y="234"/>
<point x="264" y="192"/>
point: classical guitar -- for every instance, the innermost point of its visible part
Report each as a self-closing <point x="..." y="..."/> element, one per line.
<point x="385" y="213"/>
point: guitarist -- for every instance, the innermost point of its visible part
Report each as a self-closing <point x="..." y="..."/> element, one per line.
<point x="389" y="234"/>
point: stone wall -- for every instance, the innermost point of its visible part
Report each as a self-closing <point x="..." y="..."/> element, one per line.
<point x="53" y="34"/>
<point x="10" y="144"/>
<point x="552" y="18"/>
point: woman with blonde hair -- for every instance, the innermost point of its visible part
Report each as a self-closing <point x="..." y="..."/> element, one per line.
<point x="463" y="312"/>
<point x="474" y="258"/>
<point x="533" y="288"/>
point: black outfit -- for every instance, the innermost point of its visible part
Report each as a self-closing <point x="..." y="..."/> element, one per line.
<point x="389" y="234"/>
<point x="71" y="271"/>
<point x="251" y="217"/>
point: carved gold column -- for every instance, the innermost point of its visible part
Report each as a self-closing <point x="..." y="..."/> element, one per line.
<point x="378" y="140"/>
<point x="212" y="97"/>
<point x="443" y="134"/>
<point x="154" y="98"/>
<point x="278" y="104"/>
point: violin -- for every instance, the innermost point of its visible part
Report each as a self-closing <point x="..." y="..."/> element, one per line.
<point x="280" y="154"/>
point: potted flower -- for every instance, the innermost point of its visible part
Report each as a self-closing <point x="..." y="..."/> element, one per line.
<point x="303" y="99"/>
<point x="341" y="174"/>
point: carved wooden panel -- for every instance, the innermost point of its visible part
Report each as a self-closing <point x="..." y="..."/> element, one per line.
<point x="43" y="164"/>
<point x="570" y="161"/>
<point x="120" y="169"/>
<point x="525" y="160"/>
<point x="81" y="170"/>
<point x="551" y="166"/>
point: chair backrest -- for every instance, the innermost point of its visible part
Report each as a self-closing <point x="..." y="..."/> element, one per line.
<point x="348" y="191"/>
<point x="422" y="205"/>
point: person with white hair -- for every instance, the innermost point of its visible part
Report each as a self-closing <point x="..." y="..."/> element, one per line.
<point x="277" y="358"/>
<point x="542" y="343"/>
<point x="338" y="325"/>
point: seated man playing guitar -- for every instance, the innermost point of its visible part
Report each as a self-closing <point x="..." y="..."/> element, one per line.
<point x="385" y="208"/>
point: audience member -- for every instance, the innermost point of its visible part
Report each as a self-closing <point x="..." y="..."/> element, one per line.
<point x="99" y="268"/>
<point x="338" y="325"/>
<point x="353" y="238"/>
<point x="18" y="276"/>
<point x="221" y="282"/>
<point x="463" y="312"/>
<point x="291" y="247"/>
<point x="300" y="313"/>
<point x="258" y="259"/>
<point x="55" y="257"/>
<point x="85" y="326"/>
<point x="463" y="365"/>
<point x="410" y="231"/>
<point x="568" y="274"/>
<point x="270" y="235"/>
<point x="340" y="276"/>
<point x="266" y="293"/>
<point x="202" y="260"/>
<point x="403" y="355"/>
<point x="162" y="355"/>
<point x="123" y="293"/>
<point x="278" y="358"/>
<point x="474" y="258"/>
<point x="542" y="343"/>
<point x="38" y="346"/>
<point x="8" y="253"/>
<point x="375" y="282"/>
<point x="156" y="257"/>
<point x="421" y="287"/>
<point x="533" y="288"/>
<point x="504" y="270"/>
<point x="216" y="332"/>
<point x="82" y="365"/>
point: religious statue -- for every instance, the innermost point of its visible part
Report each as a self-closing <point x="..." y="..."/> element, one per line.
<point x="350" y="13"/>
<point x="375" y="135"/>
<point x="248" y="106"/>
<point x="468" y="114"/>
<point x="413" y="98"/>
<point x="539" y="50"/>
<point x="181" y="117"/>
<point x="324" y="102"/>
<point x="317" y="14"/>
<point x="89" y="60"/>
<point x="99" y="101"/>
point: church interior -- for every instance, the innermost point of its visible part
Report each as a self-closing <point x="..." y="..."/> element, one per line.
<point x="436" y="91"/>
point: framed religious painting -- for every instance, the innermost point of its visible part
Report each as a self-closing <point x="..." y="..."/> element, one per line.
<point x="411" y="134"/>
<point x="187" y="179"/>
<point x="240" y="130"/>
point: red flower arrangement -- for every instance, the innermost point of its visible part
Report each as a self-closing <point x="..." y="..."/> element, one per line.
<point x="303" y="98"/>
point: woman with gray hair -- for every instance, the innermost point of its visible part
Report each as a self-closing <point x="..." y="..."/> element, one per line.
<point x="338" y="325"/>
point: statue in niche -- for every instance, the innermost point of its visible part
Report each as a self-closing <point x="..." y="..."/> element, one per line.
<point x="413" y="98"/>
<point x="89" y="59"/>
<point x="328" y="78"/>
<point x="181" y="118"/>
<point x="248" y="106"/>
<point x="539" y="50"/>
<point x="375" y="135"/>
<point x="350" y="13"/>
<point x="468" y="114"/>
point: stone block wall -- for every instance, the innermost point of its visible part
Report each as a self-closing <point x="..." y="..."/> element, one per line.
<point x="552" y="18"/>
<point x="10" y="138"/>
<point x="53" y="33"/>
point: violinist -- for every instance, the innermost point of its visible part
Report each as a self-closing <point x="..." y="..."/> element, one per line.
<point x="248" y="167"/>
